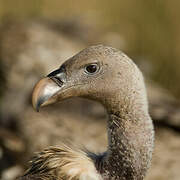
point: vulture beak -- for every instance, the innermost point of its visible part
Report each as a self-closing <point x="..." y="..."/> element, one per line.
<point x="46" y="91"/>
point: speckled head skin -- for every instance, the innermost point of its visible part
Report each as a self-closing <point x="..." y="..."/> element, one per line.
<point x="118" y="84"/>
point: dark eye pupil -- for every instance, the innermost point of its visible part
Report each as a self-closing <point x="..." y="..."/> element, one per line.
<point x="91" y="68"/>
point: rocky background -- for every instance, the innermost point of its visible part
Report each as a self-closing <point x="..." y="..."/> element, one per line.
<point x="36" y="38"/>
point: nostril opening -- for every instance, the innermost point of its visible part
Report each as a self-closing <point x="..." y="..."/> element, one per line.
<point x="58" y="76"/>
<point x="57" y="71"/>
<point x="54" y="73"/>
<point x="57" y="80"/>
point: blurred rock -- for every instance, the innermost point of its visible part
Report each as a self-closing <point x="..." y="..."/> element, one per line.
<point x="114" y="39"/>
<point x="12" y="173"/>
<point x="166" y="157"/>
<point x="164" y="108"/>
<point x="80" y="29"/>
<point x="12" y="148"/>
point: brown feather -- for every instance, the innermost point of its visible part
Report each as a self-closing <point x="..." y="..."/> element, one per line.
<point x="62" y="162"/>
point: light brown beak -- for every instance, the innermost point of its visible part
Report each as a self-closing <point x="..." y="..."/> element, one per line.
<point x="44" y="93"/>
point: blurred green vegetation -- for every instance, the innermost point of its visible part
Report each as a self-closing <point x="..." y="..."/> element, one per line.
<point x="151" y="29"/>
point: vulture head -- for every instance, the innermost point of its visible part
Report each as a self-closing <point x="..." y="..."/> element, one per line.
<point x="106" y="75"/>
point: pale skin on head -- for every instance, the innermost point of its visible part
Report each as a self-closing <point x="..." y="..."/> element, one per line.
<point x="106" y="75"/>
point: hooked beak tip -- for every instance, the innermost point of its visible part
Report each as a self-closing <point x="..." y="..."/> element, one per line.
<point x="37" y="106"/>
<point x="36" y="102"/>
<point x="43" y="92"/>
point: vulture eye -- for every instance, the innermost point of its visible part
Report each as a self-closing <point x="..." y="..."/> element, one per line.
<point x="91" y="69"/>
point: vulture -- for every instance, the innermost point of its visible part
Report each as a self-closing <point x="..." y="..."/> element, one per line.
<point x="106" y="75"/>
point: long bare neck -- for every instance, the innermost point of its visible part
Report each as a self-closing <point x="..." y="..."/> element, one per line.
<point x="130" y="144"/>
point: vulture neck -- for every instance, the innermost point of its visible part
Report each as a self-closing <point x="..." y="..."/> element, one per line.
<point x="130" y="140"/>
